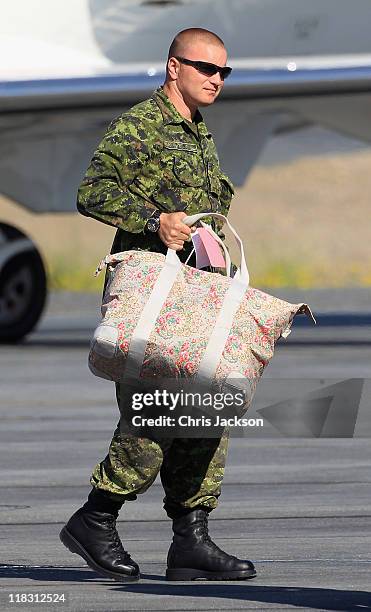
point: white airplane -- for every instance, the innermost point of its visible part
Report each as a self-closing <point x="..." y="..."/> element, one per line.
<point x="71" y="66"/>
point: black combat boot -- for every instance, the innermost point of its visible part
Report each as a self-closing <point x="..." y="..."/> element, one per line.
<point x="91" y="533"/>
<point x="193" y="555"/>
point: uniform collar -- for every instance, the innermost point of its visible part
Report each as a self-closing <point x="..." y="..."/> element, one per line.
<point x="171" y="115"/>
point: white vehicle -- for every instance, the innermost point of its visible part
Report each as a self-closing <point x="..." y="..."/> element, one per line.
<point x="72" y="65"/>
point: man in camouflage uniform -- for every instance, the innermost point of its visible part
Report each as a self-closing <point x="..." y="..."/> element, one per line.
<point x="156" y="164"/>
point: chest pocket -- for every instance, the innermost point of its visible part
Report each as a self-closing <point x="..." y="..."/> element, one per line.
<point x="184" y="162"/>
<point x="218" y="181"/>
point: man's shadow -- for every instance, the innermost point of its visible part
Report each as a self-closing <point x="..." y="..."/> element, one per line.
<point x="50" y="573"/>
<point x="304" y="597"/>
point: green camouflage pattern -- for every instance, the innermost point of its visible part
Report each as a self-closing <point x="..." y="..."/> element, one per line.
<point x="151" y="158"/>
<point x="191" y="470"/>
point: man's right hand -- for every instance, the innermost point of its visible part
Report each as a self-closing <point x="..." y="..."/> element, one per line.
<point x="172" y="231"/>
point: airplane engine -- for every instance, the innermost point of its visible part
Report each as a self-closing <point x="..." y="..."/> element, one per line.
<point x="23" y="284"/>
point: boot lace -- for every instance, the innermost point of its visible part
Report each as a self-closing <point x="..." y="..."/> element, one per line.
<point x="205" y="533"/>
<point x="115" y="539"/>
<point x="206" y="537"/>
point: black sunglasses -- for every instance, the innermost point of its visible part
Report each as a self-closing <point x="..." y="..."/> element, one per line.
<point x="206" y="67"/>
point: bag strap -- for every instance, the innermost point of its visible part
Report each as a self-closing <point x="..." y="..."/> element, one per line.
<point x="242" y="273"/>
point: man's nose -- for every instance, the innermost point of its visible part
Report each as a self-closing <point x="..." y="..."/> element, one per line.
<point x="216" y="79"/>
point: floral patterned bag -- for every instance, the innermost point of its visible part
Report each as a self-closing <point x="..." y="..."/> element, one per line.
<point x="162" y="318"/>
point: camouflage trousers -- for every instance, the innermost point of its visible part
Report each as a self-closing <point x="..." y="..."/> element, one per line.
<point x="191" y="470"/>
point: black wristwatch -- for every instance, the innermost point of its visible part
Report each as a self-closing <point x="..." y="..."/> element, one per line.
<point x="153" y="223"/>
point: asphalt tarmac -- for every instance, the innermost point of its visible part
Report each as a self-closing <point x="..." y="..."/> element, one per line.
<point x="298" y="505"/>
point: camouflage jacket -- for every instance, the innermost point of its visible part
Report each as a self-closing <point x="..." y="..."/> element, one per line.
<point x="153" y="158"/>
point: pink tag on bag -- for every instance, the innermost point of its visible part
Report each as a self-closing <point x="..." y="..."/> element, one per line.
<point x="208" y="252"/>
<point x="202" y="260"/>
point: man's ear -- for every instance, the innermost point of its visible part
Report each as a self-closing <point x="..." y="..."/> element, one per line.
<point x="173" y="68"/>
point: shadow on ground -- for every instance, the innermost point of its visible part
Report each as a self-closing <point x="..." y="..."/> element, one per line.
<point x="307" y="597"/>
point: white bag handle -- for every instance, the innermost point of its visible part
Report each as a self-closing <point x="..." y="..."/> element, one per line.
<point x="231" y="302"/>
<point x="172" y="258"/>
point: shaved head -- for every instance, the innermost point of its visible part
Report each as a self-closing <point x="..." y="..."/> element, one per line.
<point x="187" y="39"/>
<point x="187" y="84"/>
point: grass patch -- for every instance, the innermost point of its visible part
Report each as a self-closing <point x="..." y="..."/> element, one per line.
<point x="310" y="274"/>
<point x="65" y="275"/>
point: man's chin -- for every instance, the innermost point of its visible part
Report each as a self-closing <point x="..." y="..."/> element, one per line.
<point x="207" y="100"/>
